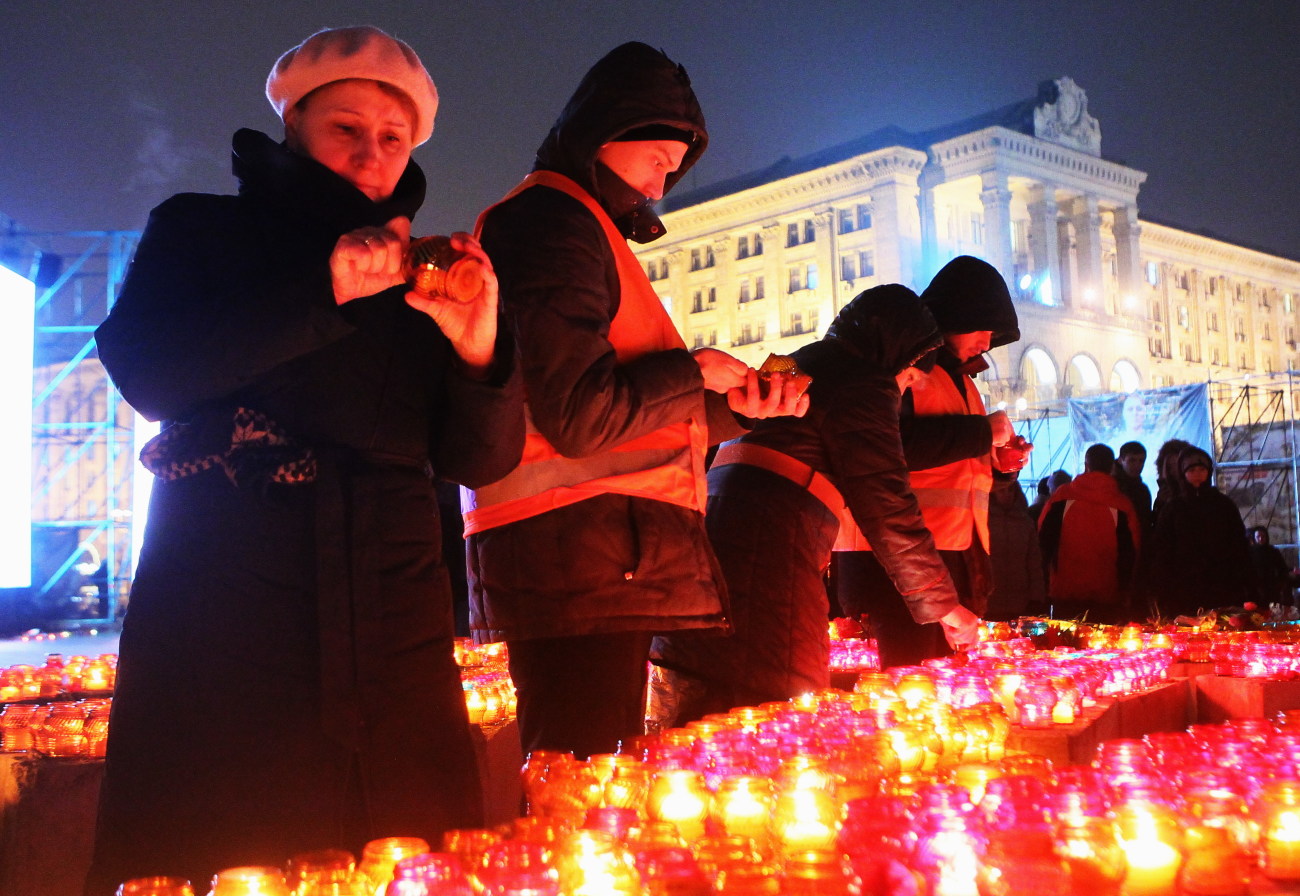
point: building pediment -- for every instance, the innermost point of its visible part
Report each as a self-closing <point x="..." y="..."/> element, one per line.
<point x="1061" y="116"/>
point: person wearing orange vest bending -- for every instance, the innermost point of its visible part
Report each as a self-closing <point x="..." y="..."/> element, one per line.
<point x="596" y="541"/>
<point x="952" y="447"/>
<point x="775" y="496"/>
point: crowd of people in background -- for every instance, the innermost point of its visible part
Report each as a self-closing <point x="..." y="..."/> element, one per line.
<point x="1111" y="553"/>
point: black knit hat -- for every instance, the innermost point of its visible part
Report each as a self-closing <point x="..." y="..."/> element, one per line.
<point x="969" y="294"/>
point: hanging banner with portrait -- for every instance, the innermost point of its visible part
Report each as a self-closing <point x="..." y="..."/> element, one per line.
<point x="1151" y="416"/>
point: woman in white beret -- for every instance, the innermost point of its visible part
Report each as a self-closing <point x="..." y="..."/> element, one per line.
<point x="287" y="680"/>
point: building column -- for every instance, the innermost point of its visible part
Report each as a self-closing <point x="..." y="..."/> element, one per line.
<point x="895" y="216"/>
<point x="996" y="196"/>
<point x="1087" y="246"/>
<point x="929" y="232"/>
<point x="1128" y="260"/>
<point x="828" y="266"/>
<point x="1044" y="245"/>
<point x="678" y="299"/>
<point x="774" y="272"/>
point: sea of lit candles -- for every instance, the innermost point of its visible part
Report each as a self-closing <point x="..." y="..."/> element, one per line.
<point x="796" y="808"/>
<point x="902" y="786"/>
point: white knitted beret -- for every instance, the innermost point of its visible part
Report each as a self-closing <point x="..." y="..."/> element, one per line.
<point x="359" y="52"/>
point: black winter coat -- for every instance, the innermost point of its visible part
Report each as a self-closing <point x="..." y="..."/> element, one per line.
<point x="1199" y="559"/>
<point x="609" y="563"/>
<point x="774" y="538"/>
<point x="287" y="680"/>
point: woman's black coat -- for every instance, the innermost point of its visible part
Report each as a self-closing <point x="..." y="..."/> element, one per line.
<point x="287" y="680"/>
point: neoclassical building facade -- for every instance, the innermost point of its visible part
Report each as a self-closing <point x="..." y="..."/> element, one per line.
<point x="1107" y="301"/>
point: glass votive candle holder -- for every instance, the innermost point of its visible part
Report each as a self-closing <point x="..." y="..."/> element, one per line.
<point x="681" y="797"/>
<point x="1092" y="853"/>
<point x="249" y="880"/>
<point x="516" y="868"/>
<point x="1278" y="815"/>
<point x="320" y="872"/>
<point x="597" y="863"/>
<point x="742" y="806"/>
<point x="156" y="886"/>
<point x="717" y="851"/>
<point x="380" y="856"/>
<point x="1214" y="864"/>
<point x="430" y="874"/>
<point x="672" y="871"/>
<point x="536" y="769"/>
<point x="617" y="821"/>
<point x="470" y="844"/>
<point x="803" y="820"/>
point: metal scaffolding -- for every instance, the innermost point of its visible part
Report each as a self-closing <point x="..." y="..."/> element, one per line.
<point x="82" y="432"/>
<point x="1254" y="425"/>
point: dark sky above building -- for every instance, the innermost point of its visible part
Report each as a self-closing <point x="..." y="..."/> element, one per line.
<point x="108" y="108"/>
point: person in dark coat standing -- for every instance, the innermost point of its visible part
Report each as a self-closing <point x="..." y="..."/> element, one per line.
<point x="597" y="540"/>
<point x="1274" y="578"/>
<point x="287" y="679"/>
<point x="1018" y="580"/>
<point x="1128" y="476"/>
<point x="775" y="496"/>
<point x="1169" y="477"/>
<point x="1199" y="558"/>
<point x="952" y="447"/>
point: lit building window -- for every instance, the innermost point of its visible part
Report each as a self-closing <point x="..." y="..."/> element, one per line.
<point x="866" y="264"/>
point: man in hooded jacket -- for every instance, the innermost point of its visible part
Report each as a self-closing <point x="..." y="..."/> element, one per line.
<point x="952" y="448"/>
<point x="596" y="541"/>
<point x="775" y="495"/>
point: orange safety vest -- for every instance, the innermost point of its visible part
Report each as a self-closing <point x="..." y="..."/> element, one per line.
<point x="954" y="498"/>
<point x="666" y="465"/>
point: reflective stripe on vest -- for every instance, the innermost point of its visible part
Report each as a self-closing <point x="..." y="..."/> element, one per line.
<point x="954" y="498"/>
<point x="666" y="465"/>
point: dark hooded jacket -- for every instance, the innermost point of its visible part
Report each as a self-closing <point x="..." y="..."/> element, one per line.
<point x="611" y="562"/>
<point x="287" y="679"/>
<point x="1199" y="558"/>
<point x="967" y="294"/>
<point x="774" y="539"/>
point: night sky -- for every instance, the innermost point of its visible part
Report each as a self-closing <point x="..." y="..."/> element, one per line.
<point x="108" y="108"/>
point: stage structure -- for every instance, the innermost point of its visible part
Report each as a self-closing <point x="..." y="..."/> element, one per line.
<point x="82" y="432"/>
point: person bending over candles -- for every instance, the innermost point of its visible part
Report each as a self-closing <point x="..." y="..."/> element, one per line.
<point x="775" y="499"/>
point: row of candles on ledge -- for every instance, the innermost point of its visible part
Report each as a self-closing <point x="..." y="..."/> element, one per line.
<point x="814" y="798"/>
<point x="59" y="677"/>
<point x="1035" y="689"/>
<point x="39" y="714"/>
